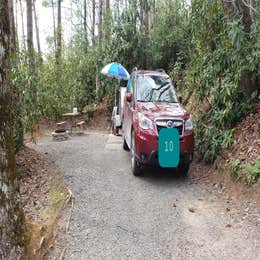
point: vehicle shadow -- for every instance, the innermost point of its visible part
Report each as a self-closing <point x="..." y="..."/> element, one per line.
<point x="164" y="176"/>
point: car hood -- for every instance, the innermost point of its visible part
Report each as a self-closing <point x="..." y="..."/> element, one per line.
<point x="161" y="109"/>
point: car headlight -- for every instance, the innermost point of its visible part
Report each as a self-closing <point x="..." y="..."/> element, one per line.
<point x="188" y="125"/>
<point x="144" y="122"/>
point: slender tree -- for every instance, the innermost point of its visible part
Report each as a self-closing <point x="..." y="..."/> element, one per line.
<point x="85" y="17"/>
<point x="58" y="53"/>
<point x="12" y="27"/>
<point x="93" y="21"/>
<point x="12" y="228"/>
<point x="146" y="17"/>
<point x="37" y="31"/>
<point x="30" y="36"/>
<point x="16" y="15"/>
<point x="107" y="6"/>
<point x="100" y="23"/>
<point x="54" y="26"/>
<point x="107" y="23"/>
<point x="22" y="19"/>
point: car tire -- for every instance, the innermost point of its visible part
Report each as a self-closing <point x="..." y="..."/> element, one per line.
<point x="125" y="146"/>
<point x="184" y="168"/>
<point x="136" y="167"/>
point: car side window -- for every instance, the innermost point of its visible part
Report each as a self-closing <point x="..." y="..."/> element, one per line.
<point x="134" y="83"/>
<point x="130" y="85"/>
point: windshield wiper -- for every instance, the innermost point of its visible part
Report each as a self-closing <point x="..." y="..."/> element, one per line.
<point x="138" y="100"/>
<point x="166" y="101"/>
<point x="163" y="92"/>
<point x="161" y="86"/>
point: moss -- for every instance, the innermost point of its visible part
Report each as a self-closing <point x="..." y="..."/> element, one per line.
<point x="46" y="228"/>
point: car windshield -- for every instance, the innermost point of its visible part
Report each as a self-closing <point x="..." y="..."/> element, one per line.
<point x="155" y="88"/>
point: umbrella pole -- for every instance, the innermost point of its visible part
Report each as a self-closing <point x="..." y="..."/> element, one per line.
<point x="115" y="91"/>
<point x="115" y="97"/>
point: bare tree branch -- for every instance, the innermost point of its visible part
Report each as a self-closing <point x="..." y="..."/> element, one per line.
<point x="249" y="6"/>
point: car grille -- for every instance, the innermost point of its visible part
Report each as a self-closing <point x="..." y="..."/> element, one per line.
<point x="162" y="123"/>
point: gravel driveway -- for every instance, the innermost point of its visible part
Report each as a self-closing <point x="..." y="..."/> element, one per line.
<point x="157" y="216"/>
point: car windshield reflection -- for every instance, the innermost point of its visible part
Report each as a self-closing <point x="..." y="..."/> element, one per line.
<point x="151" y="88"/>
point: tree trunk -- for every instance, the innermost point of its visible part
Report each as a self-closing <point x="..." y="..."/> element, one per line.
<point x="153" y="12"/>
<point x="100" y="24"/>
<point x="93" y="21"/>
<point x="85" y="17"/>
<point x="16" y="26"/>
<point x="141" y="13"/>
<point x="97" y="85"/>
<point x="54" y="27"/>
<point x="85" y="24"/>
<point x="22" y="18"/>
<point x="146" y="17"/>
<point x="58" y="57"/>
<point x="30" y="36"/>
<point x="107" y="23"/>
<point x="154" y="7"/>
<point x="246" y="9"/>
<point x="12" y="235"/>
<point x="107" y="6"/>
<point x="12" y="27"/>
<point x="37" y="32"/>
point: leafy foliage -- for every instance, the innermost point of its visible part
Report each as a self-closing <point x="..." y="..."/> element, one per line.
<point x="253" y="171"/>
<point x="206" y="51"/>
<point x="222" y="52"/>
<point x="235" y="169"/>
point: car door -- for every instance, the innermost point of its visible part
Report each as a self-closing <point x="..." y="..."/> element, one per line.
<point x="128" y="113"/>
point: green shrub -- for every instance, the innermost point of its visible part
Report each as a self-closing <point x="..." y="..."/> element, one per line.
<point x="236" y="169"/>
<point x="88" y="112"/>
<point x="253" y="171"/>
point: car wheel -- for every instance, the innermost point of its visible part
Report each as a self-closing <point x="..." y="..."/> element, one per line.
<point x="125" y="146"/>
<point x="184" y="168"/>
<point x="136" y="167"/>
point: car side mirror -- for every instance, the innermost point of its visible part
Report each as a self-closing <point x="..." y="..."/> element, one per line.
<point x="128" y="97"/>
<point x="180" y="99"/>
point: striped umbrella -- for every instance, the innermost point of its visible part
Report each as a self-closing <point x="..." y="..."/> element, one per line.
<point x="115" y="70"/>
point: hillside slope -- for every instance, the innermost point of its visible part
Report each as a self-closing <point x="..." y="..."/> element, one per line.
<point x="228" y="177"/>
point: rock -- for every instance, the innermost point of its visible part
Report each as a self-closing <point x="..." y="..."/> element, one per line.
<point x="63" y="136"/>
<point x="228" y="226"/>
<point x="192" y="210"/>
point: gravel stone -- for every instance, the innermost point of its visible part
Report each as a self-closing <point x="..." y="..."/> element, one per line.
<point x="119" y="216"/>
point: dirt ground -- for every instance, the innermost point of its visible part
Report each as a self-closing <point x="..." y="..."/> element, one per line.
<point x="43" y="196"/>
<point x="99" y="122"/>
<point x="158" y="216"/>
<point x="161" y="215"/>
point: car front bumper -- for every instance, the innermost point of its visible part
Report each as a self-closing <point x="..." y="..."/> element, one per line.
<point x="146" y="147"/>
<point x="153" y="159"/>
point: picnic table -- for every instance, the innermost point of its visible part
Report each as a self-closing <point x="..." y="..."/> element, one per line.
<point x="72" y="119"/>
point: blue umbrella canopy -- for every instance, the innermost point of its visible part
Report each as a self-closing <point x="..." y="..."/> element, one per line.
<point x="115" y="70"/>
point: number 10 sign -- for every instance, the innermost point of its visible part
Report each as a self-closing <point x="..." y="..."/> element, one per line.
<point x="169" y="147"/>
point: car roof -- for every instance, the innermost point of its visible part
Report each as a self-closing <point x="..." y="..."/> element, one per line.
<point x="151" y="72"/>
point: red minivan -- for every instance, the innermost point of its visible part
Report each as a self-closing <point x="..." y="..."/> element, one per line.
<point x="151" y="104"/>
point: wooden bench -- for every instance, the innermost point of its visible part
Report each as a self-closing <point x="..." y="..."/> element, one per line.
<point x="61" y="125"/>
<point x="80" y="125"/>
